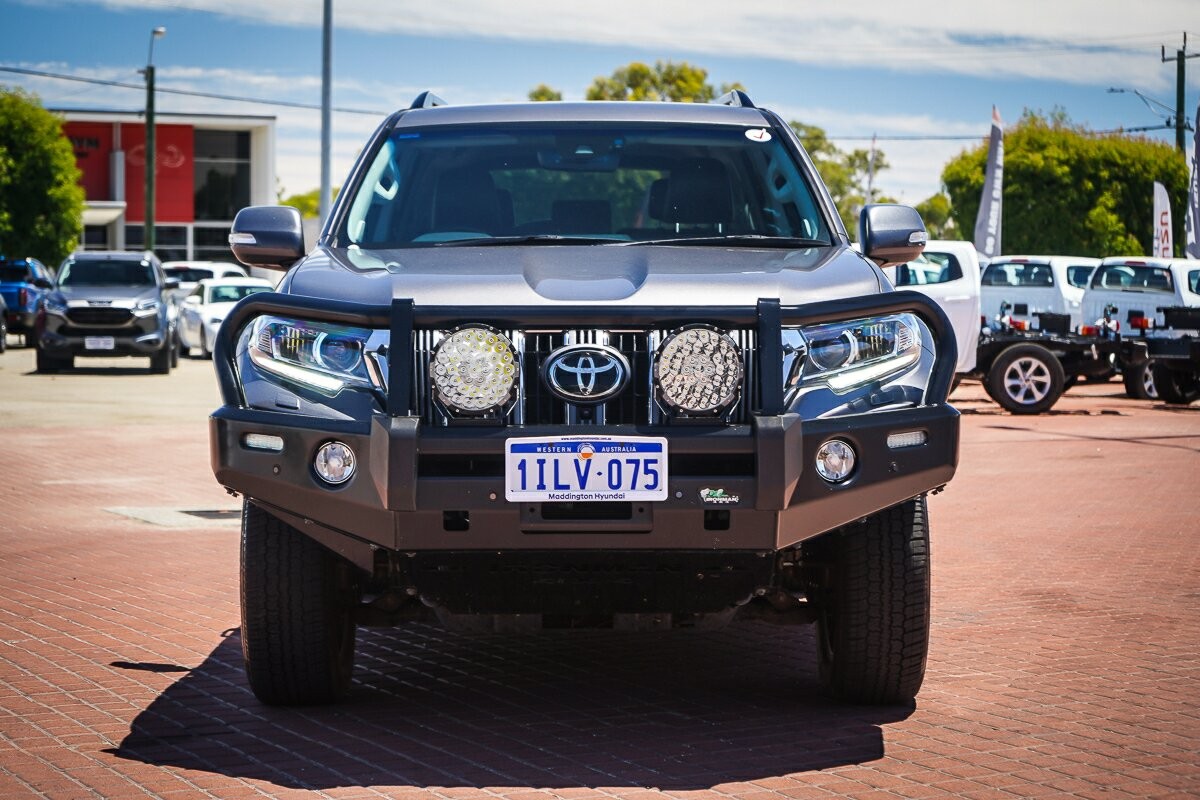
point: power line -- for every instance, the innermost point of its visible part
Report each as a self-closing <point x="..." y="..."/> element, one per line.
<point x="185" y="92"/>
<point x="316" y="107"/>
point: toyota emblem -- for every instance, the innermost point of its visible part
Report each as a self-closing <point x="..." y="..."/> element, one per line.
<point x="586" y="373"/>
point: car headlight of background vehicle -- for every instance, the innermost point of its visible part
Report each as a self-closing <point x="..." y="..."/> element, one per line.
<point x="320" y="356"/>
<point x="55" y="305"/>
<point x="859" y="354"/>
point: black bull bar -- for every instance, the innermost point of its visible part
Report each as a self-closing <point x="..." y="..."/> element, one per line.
<point x="768" y="317"/>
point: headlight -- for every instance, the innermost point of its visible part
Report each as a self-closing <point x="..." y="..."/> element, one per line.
<point x="698" y="370"/>
<point x="321" y="356"/>
<point x="55" y="306"/>
<point x="145" y="307"/>
<point x="474" y="370"/>
<point x="847" y="355"/>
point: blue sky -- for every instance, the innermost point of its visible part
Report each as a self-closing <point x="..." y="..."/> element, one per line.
<point x="915" y="68"/>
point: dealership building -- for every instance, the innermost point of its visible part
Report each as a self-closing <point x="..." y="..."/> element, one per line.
<point x="209" y="166"/>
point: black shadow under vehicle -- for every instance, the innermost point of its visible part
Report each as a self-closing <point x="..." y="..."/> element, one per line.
<point x="584" y="364"/>
<point x="107" y="304"/>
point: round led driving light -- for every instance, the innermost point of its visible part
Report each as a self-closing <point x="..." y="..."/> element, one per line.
<point x="699" y="370"/>
<point x="334" y="463"/>
<point x="835" y="460"/>
<point x="474" y="369"/>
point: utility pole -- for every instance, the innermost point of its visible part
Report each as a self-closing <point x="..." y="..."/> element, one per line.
<point x="1180" y="58"/>
<point x="151" y="150"/>
<point x="326" y="194"/>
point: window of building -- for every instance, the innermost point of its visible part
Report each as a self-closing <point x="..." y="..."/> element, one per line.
<point x="95" y="237"/>
<point x="222" y="177"/>
<point x="211" y="243"/>
<point x="170" y="241"/>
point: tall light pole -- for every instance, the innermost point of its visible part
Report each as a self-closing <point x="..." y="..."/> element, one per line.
<point x="151" y="154"/>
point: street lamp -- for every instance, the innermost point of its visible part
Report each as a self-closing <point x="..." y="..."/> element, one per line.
<point x="151" y="157"/>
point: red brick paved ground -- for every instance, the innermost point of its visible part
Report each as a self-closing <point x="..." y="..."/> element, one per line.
<point x="1065" y="657"/>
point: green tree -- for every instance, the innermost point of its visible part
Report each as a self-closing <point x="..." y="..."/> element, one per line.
<point x="666" y="80"/>
<point x="1067" y="190"/>
<point x="846" y="175"/>
<point x="308" y="203"/>
<point x="41" y="201"/>
<point x="542" y="93"/>
<point x="935" y="211"/>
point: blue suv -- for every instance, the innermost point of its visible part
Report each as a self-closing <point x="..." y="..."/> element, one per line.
<point x="24" y="283"/>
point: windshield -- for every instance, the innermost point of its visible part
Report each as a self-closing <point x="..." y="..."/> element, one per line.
<point x="85" y="272"/>
<point x="231" y="294"/>
<point x="189" y="274"/>
<point x="600" y="183"/>
<point x="1078" y="275"/>
<point x="929" y="268"/>
<point x="1133" y="278"/>
<point x="1017" y="274"/>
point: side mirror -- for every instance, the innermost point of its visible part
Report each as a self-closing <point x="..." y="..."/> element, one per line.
<point x="267" y="236"/>
<point x="891" y="234"/>
<point x="171" y="283"/>
<point x="42" y="283"/>
<point x="192" y="300"/>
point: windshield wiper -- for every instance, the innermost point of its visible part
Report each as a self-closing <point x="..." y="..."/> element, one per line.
<point x="539" y="238"/>
<point x="737" y="240"/>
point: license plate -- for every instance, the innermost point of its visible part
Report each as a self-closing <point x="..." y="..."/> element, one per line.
<point x="98" y="343"/>
<point x="585" y="469"/>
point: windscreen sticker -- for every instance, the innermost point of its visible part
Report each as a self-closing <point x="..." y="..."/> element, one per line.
<point x="758" y="135"/>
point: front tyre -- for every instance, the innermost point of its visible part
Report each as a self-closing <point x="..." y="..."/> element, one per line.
<point x="1026" y="379"/>
<point x="298" y="602"/>
<point x="46" y="363"/>
<point x="160" y="362"/>
<point x="873" y="627"/>
<point x="1177" y="387"/>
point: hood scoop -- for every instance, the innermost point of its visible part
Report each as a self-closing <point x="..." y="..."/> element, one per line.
<point x="555" y="278"/>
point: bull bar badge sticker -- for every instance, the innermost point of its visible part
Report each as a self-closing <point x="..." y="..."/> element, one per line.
<point x="718" y="497"/>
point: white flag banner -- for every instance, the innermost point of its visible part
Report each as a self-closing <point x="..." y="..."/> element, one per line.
<point x="987" y="221"/>
<point x="1191" y="241"/>
<point x="1164" y="246"/>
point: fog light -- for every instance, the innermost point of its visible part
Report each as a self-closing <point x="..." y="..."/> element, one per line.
<point x="263" y="441"/>
<point x="897" y="441"/>
<point x="334" y="462"/>
<point x="835" y="461"/>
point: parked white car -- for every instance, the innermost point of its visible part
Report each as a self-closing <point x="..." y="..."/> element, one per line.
<point x="205" y="308"/>
<point x="1037" y="284"/>
<point x="1138" y="287"/>
<point x="189" y="273"/>
<point x="948" y="272"/>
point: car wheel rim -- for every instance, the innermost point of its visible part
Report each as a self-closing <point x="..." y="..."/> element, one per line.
<point x="1148" y="382"/>
<point x="1027" y="381"/>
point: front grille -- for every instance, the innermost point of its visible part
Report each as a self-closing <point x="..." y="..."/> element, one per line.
<point x="115" y="317"/>
<point x="535" y="405"/>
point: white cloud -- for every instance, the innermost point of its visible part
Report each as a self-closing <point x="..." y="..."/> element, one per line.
<point x="1093" y="42"/>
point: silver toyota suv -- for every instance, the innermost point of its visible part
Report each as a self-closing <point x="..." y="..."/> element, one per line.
<point x="584" y="364"/>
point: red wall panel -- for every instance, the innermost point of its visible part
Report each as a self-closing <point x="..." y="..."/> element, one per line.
<point x="92" y="142"/>
<point x="175" y="181"/>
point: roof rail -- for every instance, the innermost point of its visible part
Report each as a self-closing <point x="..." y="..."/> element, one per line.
<point x="736" y="98"/>
<point x="427" y="100"/>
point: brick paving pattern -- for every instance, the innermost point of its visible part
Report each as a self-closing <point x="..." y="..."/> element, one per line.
<point x="1065" y="655"/>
